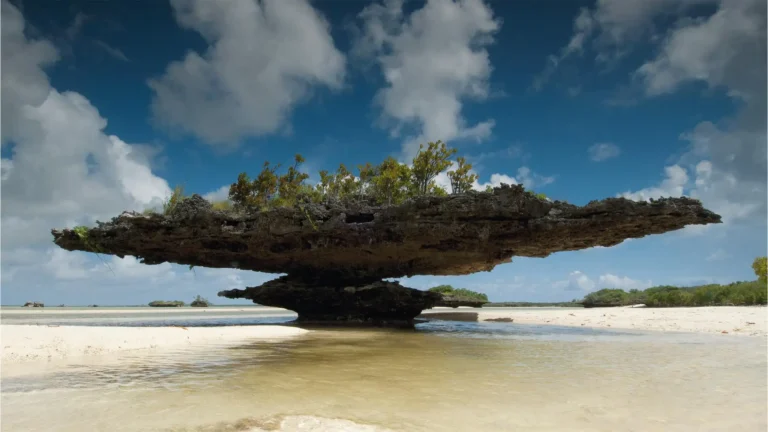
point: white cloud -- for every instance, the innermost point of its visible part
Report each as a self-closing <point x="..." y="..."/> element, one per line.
<point x="716" y="50"/>
<point x="603" y="151"/>
<point x="66" y="265"/>
<point x="263" y="58"/>
<point x="725" y="50"/>
<point x="495" y="181"/>
<point x="525" y="177"/>
<point x="611" y="27"/>
<point x="431" y="60"/>
<point x="673" y="185"/>
<point x="578" y="281"/>
<point x="220" y="194"/>
<point x="63" y="169"/>
<point x="612" y="281"/>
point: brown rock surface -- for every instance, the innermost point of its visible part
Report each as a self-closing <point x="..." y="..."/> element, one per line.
<point x="453" y="235"/>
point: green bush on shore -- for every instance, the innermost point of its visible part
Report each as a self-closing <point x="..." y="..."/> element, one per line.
<point x="733" y="294"/>
<point x="459" y="293"/>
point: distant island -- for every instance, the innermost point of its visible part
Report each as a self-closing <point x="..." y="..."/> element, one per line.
<point x="163" y="303"/>
<point x="200" y="302"/>
<point x="34" y="304"/>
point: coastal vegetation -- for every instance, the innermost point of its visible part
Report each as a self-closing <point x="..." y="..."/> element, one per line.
<point x="760" y="266"/>
<point x="734" y="294"/>
<point x="165" y="303"/>
<point x="572" y="303"/>
<point x="200" y="302"/>
<point x="459" y="293"/>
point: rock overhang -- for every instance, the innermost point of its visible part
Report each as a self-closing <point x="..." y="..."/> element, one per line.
<point x="359" y="242"/>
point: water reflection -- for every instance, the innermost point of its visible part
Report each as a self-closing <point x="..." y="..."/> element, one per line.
<point x="452" y="376"/>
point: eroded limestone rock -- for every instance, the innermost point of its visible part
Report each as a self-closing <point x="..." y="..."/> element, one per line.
<point x="357" y="242"/>
<point x="336" y="254"/>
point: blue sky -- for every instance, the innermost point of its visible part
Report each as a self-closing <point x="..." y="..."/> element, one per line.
<point x="108" y="105"/>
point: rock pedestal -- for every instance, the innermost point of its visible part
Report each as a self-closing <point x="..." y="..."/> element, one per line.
<point x="377" y="303"/>
<point x="337" y="254"/>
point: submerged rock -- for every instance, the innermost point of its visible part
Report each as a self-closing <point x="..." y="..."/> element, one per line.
<point x="326" y="248"/>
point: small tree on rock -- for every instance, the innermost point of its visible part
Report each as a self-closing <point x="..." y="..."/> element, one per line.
<point x="391" y="183"/>
<point x="462" y="178"/>
<point x="428" y="163"/>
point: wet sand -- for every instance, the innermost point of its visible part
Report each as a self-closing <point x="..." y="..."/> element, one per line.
<point x="725" y="320"/>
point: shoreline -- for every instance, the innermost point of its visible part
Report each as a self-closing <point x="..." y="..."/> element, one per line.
<point x="725" y="320"/>
<point x="69" y="310"/>
<point x="27" y="343"/>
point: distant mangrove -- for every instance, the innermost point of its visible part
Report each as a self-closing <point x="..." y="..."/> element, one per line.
<point x="164" y="303"/>
<point x="200" y="302"/>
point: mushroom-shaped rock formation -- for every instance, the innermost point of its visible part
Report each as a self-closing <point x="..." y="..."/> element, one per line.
<point x="336" y="254"/>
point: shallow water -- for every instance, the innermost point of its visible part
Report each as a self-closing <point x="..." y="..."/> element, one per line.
<point x="445" y="376"/>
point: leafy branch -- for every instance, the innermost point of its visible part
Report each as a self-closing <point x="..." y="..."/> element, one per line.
<point x="82" y="234"/>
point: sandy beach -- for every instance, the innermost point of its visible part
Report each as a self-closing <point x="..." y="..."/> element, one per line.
<point x="22" y="343"/>
<point x="20" y="311"/>
<point x="726" y="320"/>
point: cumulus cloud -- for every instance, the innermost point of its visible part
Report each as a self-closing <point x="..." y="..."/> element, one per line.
<point x="725" y="50"/>
<point x="578" y="281"/>
<point x="673" y="185"/>
<point x="622" y="282"/>
<point x="63" y="169"/>
<point x="525" y="177"/>
<point x="603" y="151"/>
<point x="263" y="58"/>
<point x="220" y="194"/>
<point x="611" y="27"/>
<point x="432" y="60"/>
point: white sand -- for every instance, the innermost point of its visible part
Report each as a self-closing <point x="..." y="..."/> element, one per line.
<point x="742" y="320"/>
<point x="21" y="343"/>
<point x="141" y="309"/>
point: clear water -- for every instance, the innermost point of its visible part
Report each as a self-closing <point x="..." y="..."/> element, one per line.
<point x="444" y="376"/>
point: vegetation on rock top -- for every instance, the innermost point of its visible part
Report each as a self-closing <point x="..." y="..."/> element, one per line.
<point x="388" y="183"/>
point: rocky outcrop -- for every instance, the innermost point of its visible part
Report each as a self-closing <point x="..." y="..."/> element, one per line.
<point x="326" y="248"/>
<point x="376" y="303"/>
<point x="33" y="304"/>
